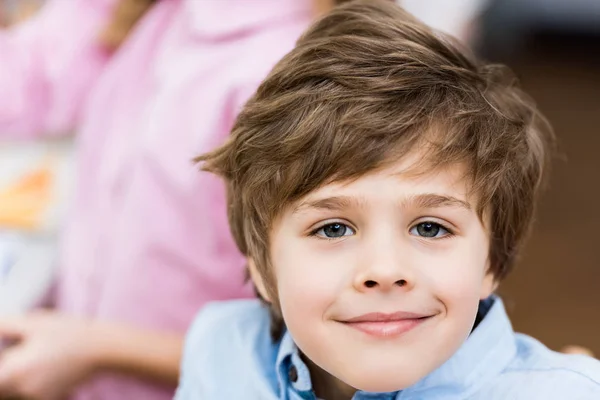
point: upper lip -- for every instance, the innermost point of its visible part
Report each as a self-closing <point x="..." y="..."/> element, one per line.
<point x="386" y="317"/>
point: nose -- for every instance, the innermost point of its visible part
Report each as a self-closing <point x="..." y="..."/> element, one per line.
<point x="382" y="282"/>
<point x="385" y="267"/>
<point x="370" y="283"/>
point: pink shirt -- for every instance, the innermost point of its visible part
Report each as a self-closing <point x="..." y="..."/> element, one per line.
<point x="147" y="241"/>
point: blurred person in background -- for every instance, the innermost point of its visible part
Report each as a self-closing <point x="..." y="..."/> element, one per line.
<point x="146" y="85"/>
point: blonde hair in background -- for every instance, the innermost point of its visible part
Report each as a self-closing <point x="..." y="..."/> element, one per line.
<point x="14" y="12"/>
<point x="125" y="16"/>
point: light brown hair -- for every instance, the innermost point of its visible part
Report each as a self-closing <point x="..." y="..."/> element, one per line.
<point x="364" y="86"/>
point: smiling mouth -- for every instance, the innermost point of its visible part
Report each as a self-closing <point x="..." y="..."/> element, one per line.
<point x="386" y="326"/>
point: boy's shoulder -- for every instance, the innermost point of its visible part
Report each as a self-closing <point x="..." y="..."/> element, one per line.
<point x="229" y="353"/>
<point x="537" y="372"/>
<point x="238" y="315"/>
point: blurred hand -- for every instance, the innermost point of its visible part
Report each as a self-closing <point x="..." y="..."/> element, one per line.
<point x="577" y="350"/>
<point x="51" y="355"/>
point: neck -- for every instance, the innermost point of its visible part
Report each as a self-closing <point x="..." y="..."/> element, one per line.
<point x="325" y="385"/>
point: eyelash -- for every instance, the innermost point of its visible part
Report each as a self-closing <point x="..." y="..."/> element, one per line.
<point x="314" y="232"/>
<point x="449" y="232"/>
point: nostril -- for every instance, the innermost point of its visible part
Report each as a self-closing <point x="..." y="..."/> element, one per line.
<point x="401" y="282"/>
<point x="370" y="284"/>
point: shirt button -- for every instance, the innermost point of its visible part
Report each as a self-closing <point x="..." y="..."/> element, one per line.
<point x="293" y="374"/>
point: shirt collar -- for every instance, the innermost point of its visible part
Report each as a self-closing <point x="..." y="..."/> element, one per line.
<point x="222" y="18"/>
<point x="289" y="363"/>
<point x="487" y="351"/>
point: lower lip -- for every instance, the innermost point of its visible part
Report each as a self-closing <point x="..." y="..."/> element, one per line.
<point x="387" y="329"/>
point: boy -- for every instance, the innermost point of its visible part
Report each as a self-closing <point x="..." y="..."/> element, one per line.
<point x="381" y="183"/>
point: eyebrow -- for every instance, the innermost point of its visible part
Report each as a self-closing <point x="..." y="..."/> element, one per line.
<point x="432" y="200"/>
<point x="425" y="200"/>
<point x="335" y="203"/>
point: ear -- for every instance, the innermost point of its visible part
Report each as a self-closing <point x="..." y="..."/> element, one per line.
<point x="258" y="280"/>
<point x="489" y="284"/>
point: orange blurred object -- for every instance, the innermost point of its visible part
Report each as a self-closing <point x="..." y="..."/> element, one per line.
<point x="23" y="204"/>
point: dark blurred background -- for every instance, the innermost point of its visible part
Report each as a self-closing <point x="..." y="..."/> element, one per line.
<point x="554" y="47"/>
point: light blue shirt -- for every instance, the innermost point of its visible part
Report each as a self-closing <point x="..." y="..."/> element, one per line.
<point x="229" y="355"/>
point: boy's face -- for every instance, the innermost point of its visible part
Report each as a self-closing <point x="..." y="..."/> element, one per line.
<point x="379" y="279"/>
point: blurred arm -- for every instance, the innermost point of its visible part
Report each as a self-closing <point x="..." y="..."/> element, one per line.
<point x="50" y="354"/>
<point x="148" y="354"/>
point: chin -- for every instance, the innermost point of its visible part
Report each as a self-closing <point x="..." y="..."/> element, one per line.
<point x="388" y="381"/>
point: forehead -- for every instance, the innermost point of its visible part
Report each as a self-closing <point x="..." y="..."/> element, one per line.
<point x="400" y="180"/>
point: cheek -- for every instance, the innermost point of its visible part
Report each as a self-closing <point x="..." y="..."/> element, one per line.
<point x="457" y="277"/>
<point x="456" y="283"/>
<point x="307" y="281"/>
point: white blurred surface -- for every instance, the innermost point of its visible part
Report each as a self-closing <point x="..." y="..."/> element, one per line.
<point x="28" y="254"/>
<point x="452" y="17"/>
<point x="27" y="267"/>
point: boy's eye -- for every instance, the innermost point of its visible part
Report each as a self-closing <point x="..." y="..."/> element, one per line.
<point x="429" y="229"/>
<point x="334" y="231"/>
